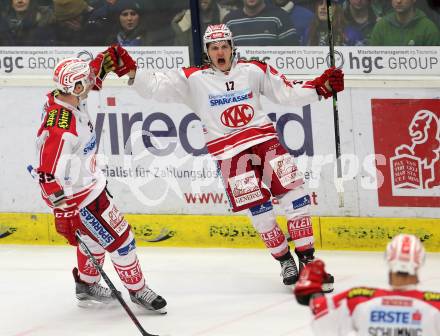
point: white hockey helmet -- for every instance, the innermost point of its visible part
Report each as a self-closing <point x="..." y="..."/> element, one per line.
<point x="217" y="33"/>
<point x="70" y="71"/>
<point x="405" y="253"/>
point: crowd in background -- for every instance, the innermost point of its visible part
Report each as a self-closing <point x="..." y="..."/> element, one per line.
<point x="253" y="22"/>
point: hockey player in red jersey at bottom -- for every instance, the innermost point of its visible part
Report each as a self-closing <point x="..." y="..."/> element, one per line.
<point x="365" y="311"/>
<point x="75" y="188"/>
<point x="225" y="95"/>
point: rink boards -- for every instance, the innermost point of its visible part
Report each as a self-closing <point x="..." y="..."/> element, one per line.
<point x="154" y="157"/>
<point x="331" y="233"/>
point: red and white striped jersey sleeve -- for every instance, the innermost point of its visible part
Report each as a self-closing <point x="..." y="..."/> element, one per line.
<point x="54" y="146"/>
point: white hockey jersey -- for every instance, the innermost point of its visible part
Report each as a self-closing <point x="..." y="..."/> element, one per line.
<point x="66" y="148"/>
<point x="377" y="312"/>
<point x="228" y="104"/>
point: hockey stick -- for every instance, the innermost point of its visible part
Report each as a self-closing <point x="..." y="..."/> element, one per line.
<point x="111" y="286"/>
<point x="339" y="180"/>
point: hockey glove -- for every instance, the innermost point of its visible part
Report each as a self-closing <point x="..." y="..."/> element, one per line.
<point x="310" y="281"/>
<point x="102" y="64"/>
<point x="67" y="222"/>
<point x="332" y="80"/>
<point x="125" y="64"/>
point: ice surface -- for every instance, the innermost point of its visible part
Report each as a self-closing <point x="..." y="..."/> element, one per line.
<point x="209" y="292"/>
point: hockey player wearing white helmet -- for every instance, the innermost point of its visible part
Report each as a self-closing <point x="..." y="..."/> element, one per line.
<point x="225" y="94"/>
<point x="75" y="188"/>
<point x="366" y="311"/>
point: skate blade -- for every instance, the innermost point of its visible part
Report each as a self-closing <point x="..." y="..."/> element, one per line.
<point x="161" y="311"/>
<point x="94" y="304"/>
<point x="145" y="310"/>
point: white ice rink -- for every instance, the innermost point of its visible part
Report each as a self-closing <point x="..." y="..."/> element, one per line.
<point x="209" y="292"/>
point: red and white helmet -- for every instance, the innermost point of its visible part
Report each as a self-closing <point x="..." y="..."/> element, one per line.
<point x="405" y="253"/>
<point x="70" y="71"/>
<point x="217" y="33"/>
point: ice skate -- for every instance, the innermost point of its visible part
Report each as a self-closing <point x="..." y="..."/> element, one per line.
<point x="289" y="271"/>
<point x="307" y="256"/>
<point x="148" y="299"/>
<point x="89" y="294"/>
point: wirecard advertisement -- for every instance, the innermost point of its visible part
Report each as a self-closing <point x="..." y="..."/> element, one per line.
<point x="155" y="159"/>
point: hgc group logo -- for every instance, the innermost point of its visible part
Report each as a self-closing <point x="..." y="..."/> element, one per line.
<point x="407" y="133"/>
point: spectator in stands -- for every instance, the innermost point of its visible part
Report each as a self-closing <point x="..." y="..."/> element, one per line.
<point x="131" y="30"/>
<point x="25" y="23"/>
<point x="100" y="21"/>
<point x="210" y="13"/>
<point x="405" y="26"/>
<point x="261" y="24"/>
<point x="229" y="5"/>
<point x="71" y="17"/>
<point x="381" y="7"/>
<point x="360" y="15"/>
<point x="301" y="17"/>
<point x="343" y="35"/>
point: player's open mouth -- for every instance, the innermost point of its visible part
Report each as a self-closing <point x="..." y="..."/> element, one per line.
<point x="221" y="61"/>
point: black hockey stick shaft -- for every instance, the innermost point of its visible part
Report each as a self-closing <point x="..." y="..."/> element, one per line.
<point x="111" y="286"/>
<point x="331" y="45"/>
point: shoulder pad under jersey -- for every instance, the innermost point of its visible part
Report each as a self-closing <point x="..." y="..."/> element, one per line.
<point x="188" y="71"/>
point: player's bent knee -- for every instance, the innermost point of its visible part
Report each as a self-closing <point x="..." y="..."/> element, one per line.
<point x="126" y="253"/>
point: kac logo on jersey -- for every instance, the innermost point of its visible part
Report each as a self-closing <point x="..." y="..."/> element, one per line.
<point x="237" y="116"/>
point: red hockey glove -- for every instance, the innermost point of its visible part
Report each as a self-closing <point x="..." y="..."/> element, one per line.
<point x="332" y="80"/>
<point x="67" y="221"/>
<point x="102" y="64"/>
<point x="310" y="281"/>
<point x="126" y="64"/>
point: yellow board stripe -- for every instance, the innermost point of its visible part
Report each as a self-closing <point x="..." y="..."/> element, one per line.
<point x="331" y="233"/>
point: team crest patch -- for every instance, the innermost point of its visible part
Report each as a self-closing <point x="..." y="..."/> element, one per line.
<point x="245" y="188"/>
<point x="116" y="220"/>
<point x="285" y="168"/>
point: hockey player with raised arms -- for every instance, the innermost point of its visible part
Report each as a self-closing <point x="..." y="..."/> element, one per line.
<point x="225" y="94"/>
<point x="75" y="188"/>
<point x="365" y="311"/>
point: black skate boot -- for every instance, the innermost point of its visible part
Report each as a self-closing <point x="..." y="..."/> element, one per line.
<point x="289" y="272"/>
<point x="148" y="299"/>
<point x="307" y="256"/>
<point x="87" y="294"/>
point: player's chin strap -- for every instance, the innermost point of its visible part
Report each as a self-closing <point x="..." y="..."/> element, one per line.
<point x="112" y="287"/>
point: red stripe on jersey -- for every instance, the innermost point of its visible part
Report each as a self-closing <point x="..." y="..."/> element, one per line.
<point x="261" y="65"/>
<point x="230" y="141"/>
<point x="189" y="71"/>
